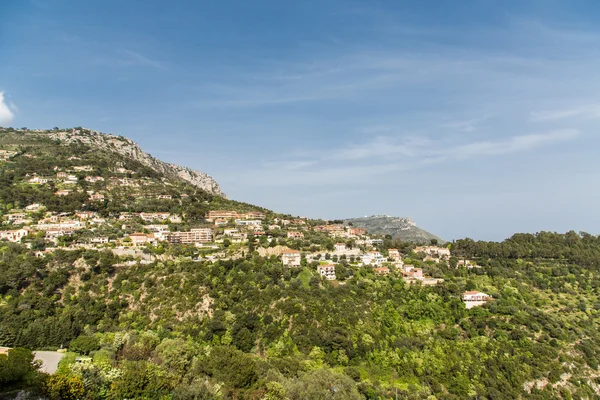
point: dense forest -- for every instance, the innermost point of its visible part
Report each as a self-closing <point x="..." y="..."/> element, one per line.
<point x="250" y="328"/>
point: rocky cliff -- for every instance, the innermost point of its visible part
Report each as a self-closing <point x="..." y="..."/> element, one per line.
<point x="128" y="148"/>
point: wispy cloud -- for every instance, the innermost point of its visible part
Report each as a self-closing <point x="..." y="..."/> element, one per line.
<point x="511" y="145"/>
<point x="590" y="111"/>
<point x="6" y="114"/>
<point x="130" y="57"/>
<point x="467" y="125"/>
<point x="377" y="159"/>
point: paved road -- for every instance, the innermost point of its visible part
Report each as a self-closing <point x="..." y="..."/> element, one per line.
<point x="49" y="360"/>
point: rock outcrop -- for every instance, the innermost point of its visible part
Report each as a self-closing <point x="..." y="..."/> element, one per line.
<point x="128" y="148"/>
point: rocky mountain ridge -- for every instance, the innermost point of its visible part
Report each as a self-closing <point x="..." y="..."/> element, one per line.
<point x="128" y="148"/>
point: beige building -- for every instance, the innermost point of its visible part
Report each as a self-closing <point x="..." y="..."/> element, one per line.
<point x="221" y="214"/>
<point x="394" y="254"/>
<point x="142" y="238"/>
<point x="198" y="235"/>
<point x="291" y="258"/>
<point x="295" y="235"/>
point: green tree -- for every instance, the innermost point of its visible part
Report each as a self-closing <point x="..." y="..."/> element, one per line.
<point x="85" y="344"/>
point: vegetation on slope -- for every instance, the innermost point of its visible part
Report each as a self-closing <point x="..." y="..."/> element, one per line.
<point x="250" y="328"/>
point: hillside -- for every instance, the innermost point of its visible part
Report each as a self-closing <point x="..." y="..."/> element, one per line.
<point x="400" y="228"/>
<point x="159" y="289"/>
<point x="110" y="144"/>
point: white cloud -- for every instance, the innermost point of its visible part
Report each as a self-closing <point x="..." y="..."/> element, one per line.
<point x="136" y="58"/>
<point x="468" y="125"/>
<point x="590" y="111"/>
<point x="511" y="145"/>
<point x="6" y="114"/>
<point x="374" y="160"/>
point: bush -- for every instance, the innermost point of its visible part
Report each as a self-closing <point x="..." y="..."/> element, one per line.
<point x="64" y="387"/>
<point x="85" y="344"/>
<point x="17" y="367"/>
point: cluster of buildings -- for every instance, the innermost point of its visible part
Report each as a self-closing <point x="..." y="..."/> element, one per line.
<point x="156" y="229"/>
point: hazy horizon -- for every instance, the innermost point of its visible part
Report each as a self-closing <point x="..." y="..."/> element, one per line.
<point x="475" y="119"/>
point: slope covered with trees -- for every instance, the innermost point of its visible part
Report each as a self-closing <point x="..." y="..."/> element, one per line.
<point x="250" y="328"/>
<point x="229" y="320"/>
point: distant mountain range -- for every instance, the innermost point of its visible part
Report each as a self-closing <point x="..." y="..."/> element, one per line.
<point x="398" y="227"/>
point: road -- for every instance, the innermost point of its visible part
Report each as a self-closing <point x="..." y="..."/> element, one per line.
<point x="49" y="360"/>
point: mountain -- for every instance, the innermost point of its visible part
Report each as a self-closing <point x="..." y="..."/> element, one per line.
<point x="126" y="148"/>
<point x="398" y="227"/>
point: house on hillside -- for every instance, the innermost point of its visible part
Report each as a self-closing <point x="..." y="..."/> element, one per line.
<point x="382" y="271"/>
<point x="475" y="298"/>
<point x="86" y="214"/>
<point x="221" y="214"/>
<point x="142" y="238"/>
<point x="339" y="247"/>
<point x="253" y="222"/>
<point x="15" y="216"/>
<point x="33" y="207"/>
<point x="158" y="216"/>
<point x="254" y="215"/>
<point x="94" y="179"/>
<point x="197" y="235"/>
<point x="433" y="251"/>
<point x="412" y="273"/>
<point x="356" y="231"/>
<point x="291" y="258"/>
<point x="394" y="254"/>
<point x="372" y="258"/>
<point x="295" y="235"/>
<point x="14" y="236"/>
<point x="38" y="180"/>
<point x="327" y="270"/>
<point x="97" y="197"/>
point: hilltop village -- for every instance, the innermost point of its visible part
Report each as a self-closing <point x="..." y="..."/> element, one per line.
<point x="333" y="250"/>
<point x="85" y="203"/>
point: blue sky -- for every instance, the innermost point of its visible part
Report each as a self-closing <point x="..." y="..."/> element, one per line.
<point x="476" y="118"/>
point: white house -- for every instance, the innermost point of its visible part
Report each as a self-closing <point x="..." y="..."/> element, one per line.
<point x="327" y="270"/>
<point x="474" y="299"/>
<point x="252" y="222"/>
<point x="372" y="258"/>
<point x="33" y="207"/>
<point x="94" y="179"/>
<point x="14" y="236"/>
<point x="38" y="181"/>
<point x="339" y="247"/>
